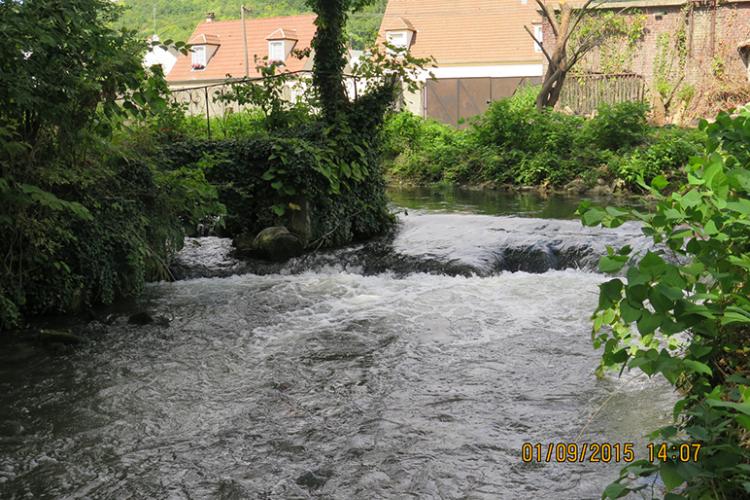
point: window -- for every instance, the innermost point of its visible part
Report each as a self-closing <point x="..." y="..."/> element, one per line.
<point x="539" y="35"/>
<point x="199" y="57"/>
<point x="398" y="39"/>
<point x="276" y="51"/>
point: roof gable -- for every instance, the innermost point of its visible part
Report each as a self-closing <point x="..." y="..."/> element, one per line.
<point x="204" y="39"/>
<point x="283" y="34"/>
<point x="229" y="58"/>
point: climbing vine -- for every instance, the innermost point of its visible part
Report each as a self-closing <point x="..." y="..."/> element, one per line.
<point x="620" y="36"/>
<point x="670" y="64"/>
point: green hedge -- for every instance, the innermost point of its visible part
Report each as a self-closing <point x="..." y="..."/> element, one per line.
<point x="513" y="143"/>
<point x="239" y="169"/>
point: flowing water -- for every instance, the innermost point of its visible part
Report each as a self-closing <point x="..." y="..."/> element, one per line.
<point x="411" y="367"/>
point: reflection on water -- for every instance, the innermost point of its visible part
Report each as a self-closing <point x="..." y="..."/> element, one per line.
<point x="495" y="202"/>
<point x="329" y="383"/>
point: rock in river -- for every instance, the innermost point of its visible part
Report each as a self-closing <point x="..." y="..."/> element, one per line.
<point x="277" y="244"/>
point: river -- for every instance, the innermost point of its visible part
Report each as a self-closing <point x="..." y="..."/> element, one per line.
<point x="415" y="366"/>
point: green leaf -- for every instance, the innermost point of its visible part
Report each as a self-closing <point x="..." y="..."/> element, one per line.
<point x="629" y="313"/>
<point x="648" y="323"/>
<point x="615" y="490"/>
<point x="593" y="217"/>
<point x="740" y="407"/>
<point x="670" y="475"/>
<point x="612" y="263"/>
<point x="697" y="367"/>
<point x="659" y="182"/>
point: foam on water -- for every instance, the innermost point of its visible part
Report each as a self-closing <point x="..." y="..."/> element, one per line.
<point x="439" y="243"/>
<point x="327" y="385"/>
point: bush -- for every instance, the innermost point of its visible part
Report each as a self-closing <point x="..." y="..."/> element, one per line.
<point x="422" y="151"/>
<point x="683" y="312"/>
<point x="255" y="200"/>
<point x="669" y="151"/>
<point x="514" y="143"/>
<point x="617" y="127"/>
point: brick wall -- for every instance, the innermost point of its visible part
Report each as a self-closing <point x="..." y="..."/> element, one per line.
<point x="705" y="52"/>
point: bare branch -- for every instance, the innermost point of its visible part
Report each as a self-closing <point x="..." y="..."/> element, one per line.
<point x="539" y="43"/>
<point x="550" y="17"/>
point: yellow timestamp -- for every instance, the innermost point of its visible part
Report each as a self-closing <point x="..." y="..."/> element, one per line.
<point x="683" y="452"/>
<point x="607" y="452"/>
<point x="575" y="452"/>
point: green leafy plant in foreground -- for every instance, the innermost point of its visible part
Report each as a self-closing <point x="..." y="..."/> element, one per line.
<point x="683" y="311"/>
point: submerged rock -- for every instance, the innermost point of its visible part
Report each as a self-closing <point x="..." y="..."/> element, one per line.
<point x="141" y="318"/>
<point x="314" y="480"/>
<point x="146" y="318"/>
<point x="276" y="244"/>
<point x="59" y="337"/>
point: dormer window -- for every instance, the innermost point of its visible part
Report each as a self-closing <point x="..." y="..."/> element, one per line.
<point x="397" y="38"/>
<point x="202" y="49"/>
<point x="199" y="57"/>
<point x="399" y="33"/>
<point x="276" y="51"/>
<point x="281" y="43"/>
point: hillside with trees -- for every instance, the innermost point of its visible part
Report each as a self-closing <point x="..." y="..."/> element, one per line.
<point x="176" y="20"/>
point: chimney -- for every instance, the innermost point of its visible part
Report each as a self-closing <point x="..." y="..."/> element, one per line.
<point x="210" y="17"/>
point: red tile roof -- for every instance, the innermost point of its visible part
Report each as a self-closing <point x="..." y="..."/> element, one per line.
<point x="283" y="34"/>
<point x="459" y="32"/>
<point x="229" y="58"/>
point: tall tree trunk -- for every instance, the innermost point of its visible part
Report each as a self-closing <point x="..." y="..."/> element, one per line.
<point x="330" y="56"/>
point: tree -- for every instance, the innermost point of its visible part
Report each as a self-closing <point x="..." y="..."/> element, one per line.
<point x="577" y="31"/>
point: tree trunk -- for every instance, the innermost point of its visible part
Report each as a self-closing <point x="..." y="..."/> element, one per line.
<point x="558" y="68"/>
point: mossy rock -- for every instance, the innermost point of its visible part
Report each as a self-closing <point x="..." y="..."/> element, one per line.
<point x="276" y="244"/>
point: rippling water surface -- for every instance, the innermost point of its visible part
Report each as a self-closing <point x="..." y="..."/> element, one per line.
<point x="327" y="382"/>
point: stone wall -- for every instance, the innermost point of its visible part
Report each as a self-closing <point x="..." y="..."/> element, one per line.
<point x="711" y="39"/>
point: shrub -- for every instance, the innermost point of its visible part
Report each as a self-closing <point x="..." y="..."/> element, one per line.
<point x="524" y="98"/>
<point x="617" y="127"/>
<point x="422" y="150"/>
<point x="514" y="143"/>
<point x="683" y="312"/>
<point x="669" y="151"/>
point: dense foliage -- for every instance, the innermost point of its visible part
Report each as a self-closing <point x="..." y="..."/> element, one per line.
<point x="318" y="158"/>
<point x="177" y="20"/>
<point x="513" y="143"/>
<point x="86" y="216"/>
<point x="683" y="311"/>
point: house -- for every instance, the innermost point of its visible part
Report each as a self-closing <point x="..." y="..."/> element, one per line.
<point x="219" y="49"/>
<point x="684" y="45"/>
<point x="481" y="49"/>
<point x="158" y="56"/>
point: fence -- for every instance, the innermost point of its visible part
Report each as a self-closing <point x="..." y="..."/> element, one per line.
<point x="584" y="93"/>
<point x="455" y="100"/>
<point x="206" y="100"/>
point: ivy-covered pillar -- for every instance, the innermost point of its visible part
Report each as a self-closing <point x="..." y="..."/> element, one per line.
<point x="330" y="56"/>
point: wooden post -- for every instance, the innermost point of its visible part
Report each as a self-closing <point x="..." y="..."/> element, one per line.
<point x="208" y="114"/>
<point x="244" y="41"/>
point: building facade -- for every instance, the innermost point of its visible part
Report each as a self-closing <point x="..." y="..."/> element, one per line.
<point x="481" y="50"/>
<point x="684" y="43"/>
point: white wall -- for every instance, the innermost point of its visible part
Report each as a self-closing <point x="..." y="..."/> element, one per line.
<point x="164" y="58"/>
